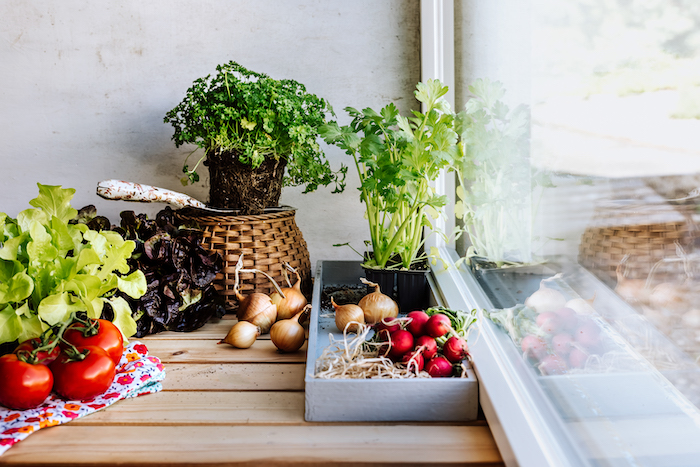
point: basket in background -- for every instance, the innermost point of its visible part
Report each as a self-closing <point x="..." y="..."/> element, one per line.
<point x="644" y="232"/>
<point x="266" y="241"/>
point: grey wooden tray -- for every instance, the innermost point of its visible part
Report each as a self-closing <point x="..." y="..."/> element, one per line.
<point x="434" y="399"/>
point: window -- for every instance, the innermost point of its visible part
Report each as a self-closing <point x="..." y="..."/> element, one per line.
<point x="601" y="203"/>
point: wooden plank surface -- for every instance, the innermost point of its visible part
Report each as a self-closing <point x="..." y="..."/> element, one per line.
<point x="225" y="406"/>
<point x="403" y="445"/>
<point x="203" y="408"/>
<point x="238" y="377"/>
<point x="208" y="351"/>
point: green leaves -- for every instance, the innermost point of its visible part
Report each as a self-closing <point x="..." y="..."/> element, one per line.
<point x="257" y="118"/>
<point x="50" y="268"/>
<point x="396" y="158"/>
<point x="55" y="201"/>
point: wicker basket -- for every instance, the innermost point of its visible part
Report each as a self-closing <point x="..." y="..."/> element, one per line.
<point x="267" y="241"/>
<point x="645" y="233"/>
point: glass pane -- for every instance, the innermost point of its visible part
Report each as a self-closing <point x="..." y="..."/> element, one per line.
<point x="602" y="303"/>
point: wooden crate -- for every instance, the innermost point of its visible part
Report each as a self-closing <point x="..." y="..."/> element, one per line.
<point x="420" y="399"/>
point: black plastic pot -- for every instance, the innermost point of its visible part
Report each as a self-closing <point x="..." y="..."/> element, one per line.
<point x="385" y="278"/>
<point x="412" y="290"/>
<point x="409" y="289"/>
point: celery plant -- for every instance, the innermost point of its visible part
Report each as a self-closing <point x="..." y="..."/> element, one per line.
<point x="396" y="157"/>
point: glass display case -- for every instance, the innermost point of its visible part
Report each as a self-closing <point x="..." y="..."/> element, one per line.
<point x="588" y="341"/>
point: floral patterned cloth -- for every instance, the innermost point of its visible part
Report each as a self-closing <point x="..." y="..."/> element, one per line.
<point x="137" y="374"/>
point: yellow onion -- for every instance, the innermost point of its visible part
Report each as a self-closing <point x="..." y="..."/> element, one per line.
<point x="291" y="301"/>
<point x="346" y="314"/>
<point x="634" y="291"/>
<point x="545" y="299"/>
<point x="287" y="334"/>
<point x="377" y="306"/>
<point x="256" y="308"/>
<point x="242" y="335"/>
<point x="671" y="296"/>
<point x="582" y="306"/>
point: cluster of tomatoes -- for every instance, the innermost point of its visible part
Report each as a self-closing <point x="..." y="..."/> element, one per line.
<point x="77" y="361"/>
<point x="422" y="342"/>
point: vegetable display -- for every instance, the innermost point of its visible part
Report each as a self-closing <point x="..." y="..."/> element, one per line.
<point x="76" y="359"/>
<point x="401" y="347"/>
<point x="556" y="335"/>
<point x="179" y="272"/>
<point x="50" y="267"/>
<point x="258" y="314"/>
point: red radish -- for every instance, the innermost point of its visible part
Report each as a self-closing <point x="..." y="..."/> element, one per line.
<point x="414" y="360"/>
<point x="549" y="322"/>
<point x="577" y="358"/>
<point x="552" y="365"/>
<point x="533" y="347"/>
<point x="401" y="342"/>
<point x="439" y="367"/>
<point x="588" y="336"/>
<point x="438" y="325"/>
<point x="383" y="335"/>
<point x="417" y="324"/>
<point x="429" y="346"/>
<point x="568" y="318"/>
<point x="455" y="349"/>
<point x="561" y="344"/>
<point x="390" y="324"/>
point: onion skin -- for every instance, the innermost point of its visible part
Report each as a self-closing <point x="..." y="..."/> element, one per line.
<point x="545" y="299"/>
<point x="292" y="303"/>
<point x="377" y="306"/>
<point x="242" y="335"/>
<point x="632" y="291"/>
<point x="581" y="306"/>
<point x="670" y="296"/>
<point x="345" y="314"/>
<point x="257" y="308"/>
<point x="287" y="334"/>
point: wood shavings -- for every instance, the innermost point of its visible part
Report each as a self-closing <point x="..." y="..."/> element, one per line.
<point x="356" y="357"/>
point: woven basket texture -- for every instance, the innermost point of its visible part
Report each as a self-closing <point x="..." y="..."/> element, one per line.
<point x="646" y="234"/>
<point x="266" y="241"/>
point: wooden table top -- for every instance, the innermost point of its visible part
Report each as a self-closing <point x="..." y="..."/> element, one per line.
<point x="226" y="406"/>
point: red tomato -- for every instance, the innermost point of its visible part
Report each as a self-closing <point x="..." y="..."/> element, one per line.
<point x="83" y="379"/>
<point x="42" y="356"/>
<point x="24" y="386"/>
<point x="107" y="336"/>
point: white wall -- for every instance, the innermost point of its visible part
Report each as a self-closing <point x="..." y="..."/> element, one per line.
<point x="84" y="87"/>
<point x="492" y="40"/>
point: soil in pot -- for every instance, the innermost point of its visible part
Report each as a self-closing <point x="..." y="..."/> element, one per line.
<point x="236" y="185"/>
